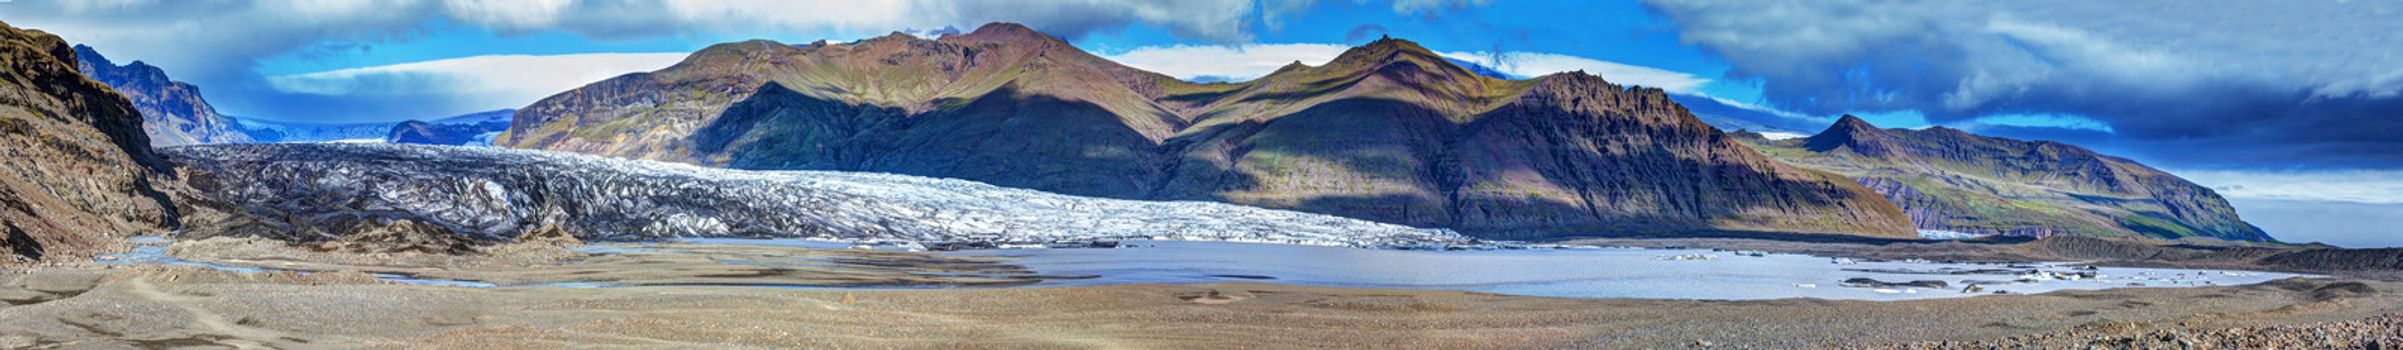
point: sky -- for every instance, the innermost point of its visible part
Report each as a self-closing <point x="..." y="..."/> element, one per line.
<point x="2294" y="110"/>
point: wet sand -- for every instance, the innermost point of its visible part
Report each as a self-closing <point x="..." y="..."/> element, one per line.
<point x="164" y="306"/>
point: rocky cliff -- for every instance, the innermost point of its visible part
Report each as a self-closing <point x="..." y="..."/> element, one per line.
<point x="1388" y="132"/>
<point x="172" y="112"/>
<point x="1952" y="180"/>
<point x="76" y="172"/>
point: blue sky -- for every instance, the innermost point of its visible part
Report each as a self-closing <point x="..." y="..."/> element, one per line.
<point x="2284" y="101"/>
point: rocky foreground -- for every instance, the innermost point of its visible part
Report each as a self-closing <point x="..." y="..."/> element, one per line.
<point x="2382" y="332"/>
<point x="172" y="306"/>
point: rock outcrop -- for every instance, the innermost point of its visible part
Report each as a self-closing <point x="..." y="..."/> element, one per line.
<point x="1951" y="180"/>
<point x="77" y="170"/>
<point x="172" y="111"/>
<point x="1389" y="132"/>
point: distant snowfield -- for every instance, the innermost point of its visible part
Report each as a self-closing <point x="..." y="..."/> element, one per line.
<point x="1774" y="135"/>
<point x="496" y="192"/>
<point x="1948" y="234"/>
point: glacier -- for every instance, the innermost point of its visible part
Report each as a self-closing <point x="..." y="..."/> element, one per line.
<point x="497" y="194"/>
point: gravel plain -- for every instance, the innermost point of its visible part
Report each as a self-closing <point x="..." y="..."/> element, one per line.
<point x="147" y="306"/>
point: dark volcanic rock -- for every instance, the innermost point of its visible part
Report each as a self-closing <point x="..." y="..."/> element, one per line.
<point x="77" y="171"/>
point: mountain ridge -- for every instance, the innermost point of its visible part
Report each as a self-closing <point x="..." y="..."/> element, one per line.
<point x="1384" y="132"/>
<point x="173" y="112"/>
<point x="1954" y="180"/>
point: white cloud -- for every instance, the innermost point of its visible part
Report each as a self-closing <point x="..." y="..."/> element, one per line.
<point x="1252" y="61"/>
<point x="476" y="82"/>
<point x="2358" y="186"/>
<point x="1413" y="7"/>
<point x="513" y="15"/>
<point x="1236" y="62"/>
<point x="1756" y="108"/>
<point x="1531" y="64"/>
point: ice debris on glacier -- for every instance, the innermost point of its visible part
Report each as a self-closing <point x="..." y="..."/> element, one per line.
<point x="493" y="193"/>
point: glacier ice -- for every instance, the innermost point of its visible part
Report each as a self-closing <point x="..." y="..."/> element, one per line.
<point x="493" y="193"/>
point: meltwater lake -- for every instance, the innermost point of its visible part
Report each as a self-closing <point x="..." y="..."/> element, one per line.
<point x="1583" y="273"/>
<point x="1559" y="272"/>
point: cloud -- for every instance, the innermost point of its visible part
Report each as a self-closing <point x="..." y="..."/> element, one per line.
<point x="1230" y="62"/>
<point x="474" y="83"/>
<point x="1532" y="64"/>
<point x="2344" y="224"/>
<point x="1433" y="7"/>
<point x="2357" y="186"/>
<point x="1245" y="62"/>
<point x="2266" y="84"/>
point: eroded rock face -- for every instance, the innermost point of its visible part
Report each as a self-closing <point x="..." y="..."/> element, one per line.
<point x="76" y="170"/>
<point x="319" y="192"/>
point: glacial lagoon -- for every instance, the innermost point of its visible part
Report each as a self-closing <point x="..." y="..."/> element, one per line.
<point x="1573" y="272"/>
<point x="1579" y="273"/>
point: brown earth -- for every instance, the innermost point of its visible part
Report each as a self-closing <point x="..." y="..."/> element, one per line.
<point x="167" y="306"/>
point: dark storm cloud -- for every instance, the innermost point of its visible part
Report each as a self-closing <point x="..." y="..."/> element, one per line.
<point x="2250" y="84"/>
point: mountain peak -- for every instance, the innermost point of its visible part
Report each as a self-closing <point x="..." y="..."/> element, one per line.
<point x="1007" y="30"/>
<point x="1852" y="122"/>
<point x="1388" y="52"/>
<point x="1852" y="132"/>
<point x="1388" y="44"/>
<point x="87" y="54"/>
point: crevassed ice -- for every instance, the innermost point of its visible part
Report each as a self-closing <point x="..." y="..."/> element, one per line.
<point x="495" y="193"/>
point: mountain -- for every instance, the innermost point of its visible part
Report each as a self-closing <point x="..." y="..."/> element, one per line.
<point x="79" y="167"/>
<point x="172" y="112"/>
<point x="1952" y="180"/>
<point x="477" y="129"/>
<point x="1388" y="132"/>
